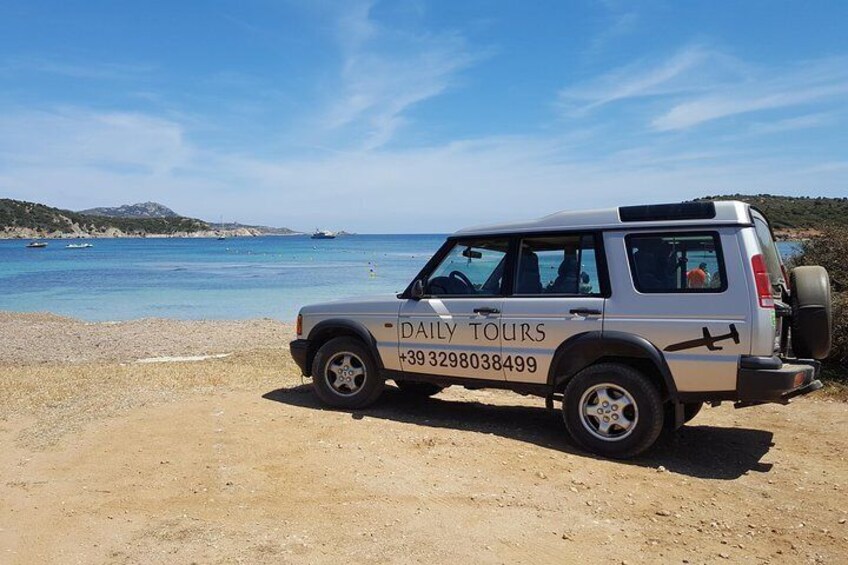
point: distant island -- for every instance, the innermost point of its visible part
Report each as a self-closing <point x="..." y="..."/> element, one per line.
<point x="795" y="217"/>
<point x="30" y="220"/>
<point x="141" y="210"/>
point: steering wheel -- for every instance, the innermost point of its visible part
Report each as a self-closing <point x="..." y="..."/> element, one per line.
<point x="463" y="279"/>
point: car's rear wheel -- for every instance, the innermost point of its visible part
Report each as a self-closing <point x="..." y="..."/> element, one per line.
<point x="418" y="389"/>
<point x="345" y="375"/>
<point x="613" y="410"/>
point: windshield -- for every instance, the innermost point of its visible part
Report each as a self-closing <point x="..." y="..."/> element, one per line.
<point x="772" y="256"/>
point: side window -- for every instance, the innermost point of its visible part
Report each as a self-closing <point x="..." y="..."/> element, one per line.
<point x="557" y="265"/>
<point x="470" y="268"/>
<point x="682" y="262"/>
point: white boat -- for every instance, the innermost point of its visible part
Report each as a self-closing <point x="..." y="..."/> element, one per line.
<point x="78" y="246"/>
<point x="36" y="245"/>
<point x="323" y="234"/>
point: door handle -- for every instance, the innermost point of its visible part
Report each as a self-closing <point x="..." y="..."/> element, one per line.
<point x="487" y="310"/>
<point x="585" y="312"/>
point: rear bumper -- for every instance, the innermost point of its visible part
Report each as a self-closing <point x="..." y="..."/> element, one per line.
<point x="300" y="351"/>
<point x="769" y="379"/>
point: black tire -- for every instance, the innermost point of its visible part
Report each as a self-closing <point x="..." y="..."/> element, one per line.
<point x="645" y="411"/>
<point x="690" y="410"/>
<point x="418" y="389"/>
<point x="811" y="316"/>
<point x="366" y="384"/>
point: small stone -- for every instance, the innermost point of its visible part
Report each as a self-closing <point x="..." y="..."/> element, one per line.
<point x="724" y="555"/>
<point x="842" y="520"/>
<point x="663" y="513"/>
<point x="541" y="475"/>
<point x="661" y="469"/>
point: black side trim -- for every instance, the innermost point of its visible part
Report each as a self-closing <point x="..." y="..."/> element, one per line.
<point x="535" y="389"/>
<point x="667" y="212"/>
<point x="326" y="328"/>
<point x="300" y="353"/>
<point x="582" y="350"/>
<point x="707" y="396"/>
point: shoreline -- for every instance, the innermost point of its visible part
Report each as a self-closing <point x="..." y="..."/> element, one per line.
<point x="4" y="236"/>
<point x="43" y="337"/>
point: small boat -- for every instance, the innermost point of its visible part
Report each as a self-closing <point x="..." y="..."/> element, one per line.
<point x="36" y="245"/>
<point x="78" y="246"/>
<point x="323" y="234"/>
<point x="222" y="237"/>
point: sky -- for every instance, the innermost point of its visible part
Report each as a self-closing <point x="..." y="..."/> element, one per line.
<point x="418" y="116"/>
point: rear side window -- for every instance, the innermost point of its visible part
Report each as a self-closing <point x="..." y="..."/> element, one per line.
<point x="683" y="262"/>
<point x="557" y="265"/>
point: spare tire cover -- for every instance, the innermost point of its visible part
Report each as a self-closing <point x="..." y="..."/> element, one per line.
<point x="811" y="317"/>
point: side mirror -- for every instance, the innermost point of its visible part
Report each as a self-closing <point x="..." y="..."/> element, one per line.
<point x="417" y="292"/>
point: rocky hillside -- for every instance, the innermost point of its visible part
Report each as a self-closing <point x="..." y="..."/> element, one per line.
<point x="19" y="219"/>
<point x="236" y="228"/>
<point x="140" y="210"/>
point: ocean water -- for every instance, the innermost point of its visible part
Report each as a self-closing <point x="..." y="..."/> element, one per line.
<point x="237" y="278"/>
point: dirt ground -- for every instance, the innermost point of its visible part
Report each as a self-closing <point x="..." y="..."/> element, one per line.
<point x="233" y="460"/>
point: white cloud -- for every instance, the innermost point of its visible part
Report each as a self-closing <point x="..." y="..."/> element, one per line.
<point x="806" y="121"/>
<point x="385" y="72"/>
<point x="691" y="69"/>
<point x="96" y="159"/>
<point x="819" y="82"/>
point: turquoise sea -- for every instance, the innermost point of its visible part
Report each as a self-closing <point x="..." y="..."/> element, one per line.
<point x="237" y="278"/>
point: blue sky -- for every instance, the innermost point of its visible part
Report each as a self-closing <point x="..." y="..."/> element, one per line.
<point x="418" y="116"/>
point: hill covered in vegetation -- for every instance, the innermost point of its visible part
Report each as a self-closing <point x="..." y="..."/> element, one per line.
<point x="140" y="210"/>
<point x="795" y="213"/>
<point x="29" y="220"/>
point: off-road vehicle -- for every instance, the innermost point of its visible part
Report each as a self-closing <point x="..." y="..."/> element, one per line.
<point x="632" y="317"/>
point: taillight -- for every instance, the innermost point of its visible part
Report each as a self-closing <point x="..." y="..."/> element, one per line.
<point x="299" y="325"/>
<point x="761" y="277"/>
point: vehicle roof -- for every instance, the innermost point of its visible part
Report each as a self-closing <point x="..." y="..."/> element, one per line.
<point x="688" y="214"/>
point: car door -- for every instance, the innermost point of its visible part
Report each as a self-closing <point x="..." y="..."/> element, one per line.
<point x="682" y="296"/>
<point x="560" y="284"/>
<point x="454" y="329"/>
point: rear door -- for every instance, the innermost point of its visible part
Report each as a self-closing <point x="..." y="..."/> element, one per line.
<point x="455" y="329"/>
<point x="686" y="292"/>
<point x="558" y="293"/>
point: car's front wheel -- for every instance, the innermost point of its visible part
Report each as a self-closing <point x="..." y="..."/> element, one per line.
<point x="345" y="375"/>
<point x="613" y="410"/>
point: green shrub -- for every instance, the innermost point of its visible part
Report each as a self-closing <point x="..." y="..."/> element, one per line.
<point x="831" y="252"/>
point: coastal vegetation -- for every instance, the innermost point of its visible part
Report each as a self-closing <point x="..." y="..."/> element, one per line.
<point x="795" y="213"/>
<point x="29" y="219"/>
<point x="20" y="219"/>
<point x="140" y="210"/>
<point x="830" y="251"/>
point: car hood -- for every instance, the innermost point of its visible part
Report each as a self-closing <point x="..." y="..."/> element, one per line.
<point x="375" y="305"/>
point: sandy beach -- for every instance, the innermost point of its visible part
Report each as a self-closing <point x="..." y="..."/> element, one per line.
<point x="213" y="450"/>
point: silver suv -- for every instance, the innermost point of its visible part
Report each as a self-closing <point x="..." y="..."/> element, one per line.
<point x="632" y="318"/>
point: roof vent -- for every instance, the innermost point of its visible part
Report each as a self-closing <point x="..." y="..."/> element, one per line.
<point x="667" y="212"/>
